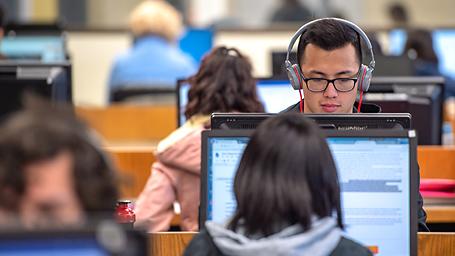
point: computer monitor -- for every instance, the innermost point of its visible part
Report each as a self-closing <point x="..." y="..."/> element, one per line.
<point x="400" y="121"/>
<point x="278" y="58"/>
<point x="393" y="66"/>
<point x="112" y="241"/>
<point x="422" y="97"/>
<point x="373" y="166"/>
<point x="276" y="95"/>
<point x="52" y="82"/>
<point x="443" y="41"/>
<point x="45" y="48"/>
<point x="196" y="42"/>
<point x="397" y="40"/>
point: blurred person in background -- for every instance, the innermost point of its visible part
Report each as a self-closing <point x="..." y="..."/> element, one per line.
<point x="53" y="173"/>
<point x="291" y="11"/>
<point x="224" y="83"/>
<point x="398" y="15"/>
<point x="154" y="58"/>
<point x="419" y="47"/>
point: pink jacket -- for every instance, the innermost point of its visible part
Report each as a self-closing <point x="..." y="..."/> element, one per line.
<point x="175" y="177"/>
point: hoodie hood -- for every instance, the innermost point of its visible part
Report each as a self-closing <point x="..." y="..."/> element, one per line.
<point x="320" y="240"/>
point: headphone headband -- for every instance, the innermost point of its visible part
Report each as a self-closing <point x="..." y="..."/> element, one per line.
<point x="356" y="28"/>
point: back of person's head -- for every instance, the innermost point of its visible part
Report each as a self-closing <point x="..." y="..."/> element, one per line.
<point x="286" y="176"/>
<point x="223" y="83"/>
<point x="398" y="14"/>
<point x="156" y="17"/>
<point x="329" y="34"/>
<point x="419" y="45"/>
<point x="37" y="137"/>
<point x="2" y="17"/>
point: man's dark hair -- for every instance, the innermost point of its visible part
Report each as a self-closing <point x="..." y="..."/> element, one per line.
<point x="329" y="35"/>
<point x="286" y="176"/>
<point x="33" y="135"/>
<point x="224" y="83"/>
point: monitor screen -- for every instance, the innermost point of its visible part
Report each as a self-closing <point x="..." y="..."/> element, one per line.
<point x="51" y="246"/>
<point x="383" y="179"/>
<point x="43" y="48"/>
<point x="276" y="95"/>
<point x="196" y="42"/>
<point x="443" y="42"/>
<point x="103" y="241"/>
<point x="397" y="40"/>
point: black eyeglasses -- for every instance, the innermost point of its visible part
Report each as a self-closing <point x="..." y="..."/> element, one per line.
<point x="321" y="84"/>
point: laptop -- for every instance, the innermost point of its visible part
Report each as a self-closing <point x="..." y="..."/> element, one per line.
<point x="377" y="166"/>
<point x="275" y="94"/>
<point x="105" y="241"/>
<point x="334" y="121"/>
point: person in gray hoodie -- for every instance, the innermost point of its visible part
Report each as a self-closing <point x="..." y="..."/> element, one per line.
<point x="288" y="197"/>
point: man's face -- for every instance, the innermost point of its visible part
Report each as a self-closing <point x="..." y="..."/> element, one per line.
<point x="338" y="63"/>
<point x="50" y="198"/>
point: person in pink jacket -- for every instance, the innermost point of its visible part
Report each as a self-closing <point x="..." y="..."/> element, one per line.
<point x="224" y="83"/>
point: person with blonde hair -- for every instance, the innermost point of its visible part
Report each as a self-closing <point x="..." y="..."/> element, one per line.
<point x="154" y="58"/>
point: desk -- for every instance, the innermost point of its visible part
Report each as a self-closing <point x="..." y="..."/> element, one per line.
<point x="174" y="243"/>
<point x="436" y="162"/>
<point x="134" y="161"/>
<point x="169" y="243"/>
<point x="131" y="122"/>
<point x="440" y="213"/>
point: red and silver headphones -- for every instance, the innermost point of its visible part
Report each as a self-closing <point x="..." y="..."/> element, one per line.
<point x="365" y="73"/>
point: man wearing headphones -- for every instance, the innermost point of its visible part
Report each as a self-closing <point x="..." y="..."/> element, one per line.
<point x="330" y="72"/>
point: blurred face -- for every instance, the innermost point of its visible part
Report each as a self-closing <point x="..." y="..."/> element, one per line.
<point x="338" y="63"/>
<point x="50" y="199"/>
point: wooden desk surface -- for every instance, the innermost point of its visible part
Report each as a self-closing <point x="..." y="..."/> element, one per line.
<point x="440" y="213"/>
<point x="436" y="162"/>
<point x="131" y="122"/>
<point x="174" y="243"/>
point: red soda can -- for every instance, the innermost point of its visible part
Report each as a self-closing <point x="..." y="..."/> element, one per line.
<point x="125" y="213"/>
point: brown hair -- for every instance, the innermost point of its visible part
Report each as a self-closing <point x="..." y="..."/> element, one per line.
<point x="42" y="133"/>
<point x="224" y="83"/>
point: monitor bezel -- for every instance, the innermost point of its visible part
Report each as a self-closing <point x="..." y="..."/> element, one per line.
<point x="404" y="118"/>
<point x="12" y="66"/>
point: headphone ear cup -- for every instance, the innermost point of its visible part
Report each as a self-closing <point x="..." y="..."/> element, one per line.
<point x="365" y="78"/>
<point x="294" y="76"/>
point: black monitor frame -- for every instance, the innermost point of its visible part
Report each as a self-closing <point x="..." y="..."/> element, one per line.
<point x="336" y="121"/>
<point x="13" y="68"/>
<point x="415" y="101"/>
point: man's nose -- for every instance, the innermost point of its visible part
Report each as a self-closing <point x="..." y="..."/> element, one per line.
<point x="330" y="91"/>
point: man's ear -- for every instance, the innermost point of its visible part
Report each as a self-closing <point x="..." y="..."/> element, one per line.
<point x="2" y="33"/>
